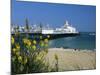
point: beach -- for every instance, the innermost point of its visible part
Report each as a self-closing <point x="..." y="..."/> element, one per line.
<point x="72" y="59"/>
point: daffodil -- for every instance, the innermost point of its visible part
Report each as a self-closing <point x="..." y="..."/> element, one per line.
<point x="46" y="40"/>
<point x="40" y="37"/>
<point x="25" y="40"/>
<point x="41" y="43"/>
<point x="34" y="41"/>
<point x="33" y="47"/>
<point x="17" y="46"/>
<point x="14" y="50"/>
<point x="17" y="53"/>
<point x="20" y="58"/>
<point x="28" y="42"/>
<point x="12" y="40"/>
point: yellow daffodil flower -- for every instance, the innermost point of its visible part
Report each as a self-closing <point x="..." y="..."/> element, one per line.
<point x="28" y="42"/>
<point x="41" y="43"/>
<point x="12" y="40"/>
<point x="40" y="37"/>
<point x="46" y="40"/>
<point x="14" y="50"/>
<point x="20" y="58"/>
<point x="25" y="40"/>
<point x="34" y="41"/>
<point x="17" y="46"/>
<point x="17" y="53"/>
<point x="33" y="47"/>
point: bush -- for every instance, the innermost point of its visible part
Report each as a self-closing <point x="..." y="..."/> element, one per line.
<point x="27" y="55"/>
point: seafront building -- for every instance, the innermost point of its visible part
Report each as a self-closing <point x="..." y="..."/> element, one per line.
<point x="65" y="29"/>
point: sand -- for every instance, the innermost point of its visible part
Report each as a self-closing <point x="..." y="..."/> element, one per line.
<point x="70" y="59"/>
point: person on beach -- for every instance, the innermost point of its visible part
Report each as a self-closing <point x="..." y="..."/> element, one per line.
<point x="75" y="49"/>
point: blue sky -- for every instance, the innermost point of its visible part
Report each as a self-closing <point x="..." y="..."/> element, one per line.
<point x="79" y="16"/>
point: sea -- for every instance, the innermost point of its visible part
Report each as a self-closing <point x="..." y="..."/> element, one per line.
<point x="86" y="40"/>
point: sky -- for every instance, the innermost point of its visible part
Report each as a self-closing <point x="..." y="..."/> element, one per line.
<point x="82" y="17"/>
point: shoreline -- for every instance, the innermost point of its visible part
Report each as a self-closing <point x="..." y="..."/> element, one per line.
<point x="70" y="59"/>
<point x="71" y="49"/>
